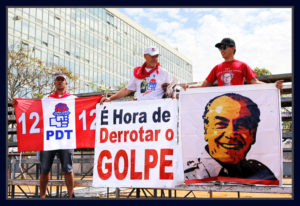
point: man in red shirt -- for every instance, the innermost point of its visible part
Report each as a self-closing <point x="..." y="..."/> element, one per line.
<point x="231" y="71"/>
<point x="65" y="155"/>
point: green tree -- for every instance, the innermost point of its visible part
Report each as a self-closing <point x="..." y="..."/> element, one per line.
<point x="262" y="71"/>
<point x="31" y="77"/>
<point x="103" y="88"/>
<point x="122" y="85"/>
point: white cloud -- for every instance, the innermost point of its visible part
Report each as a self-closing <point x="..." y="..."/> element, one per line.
<point x="134" y="11"/>
<point x="174" y="13"/>
<point x="262" y="36"/>
<point x="167" y="27"/>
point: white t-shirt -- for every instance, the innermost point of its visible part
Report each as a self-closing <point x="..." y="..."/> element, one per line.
<point x="149" y="87"/>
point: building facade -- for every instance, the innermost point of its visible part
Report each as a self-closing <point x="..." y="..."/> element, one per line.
<point x="100" y="45"/>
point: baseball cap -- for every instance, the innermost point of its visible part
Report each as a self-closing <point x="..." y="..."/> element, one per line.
<point x="226" y="41"/>
<point x="60" y="75"/>
<point x="151" y="51"/>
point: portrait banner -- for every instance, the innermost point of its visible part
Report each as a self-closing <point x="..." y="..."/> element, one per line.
<point x="137" y="145"/>
<point x="231" y="134"/>
<point x="51" y="124"/>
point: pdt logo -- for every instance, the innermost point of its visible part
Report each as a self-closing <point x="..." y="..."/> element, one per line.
<point x="60" y="120"/>
<point x="152" y="85"/>
<point x="61" y="116"/>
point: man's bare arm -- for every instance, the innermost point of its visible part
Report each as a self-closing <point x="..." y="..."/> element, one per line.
<point x="122" y="93"/>
<point x="205" y="83"/>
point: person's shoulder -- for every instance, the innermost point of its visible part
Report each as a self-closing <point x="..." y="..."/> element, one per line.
<point x="136" y="68"/>
<point x="46" y="97"/>
<point x="132" y="78"/>
<point x="218" y="66"/>
<point x="260" y="169"/>
<point x="162" y="70"/>
<point x="256" y="164"/>
<point x="239" y="62"/>
<point x="71" y="96"/>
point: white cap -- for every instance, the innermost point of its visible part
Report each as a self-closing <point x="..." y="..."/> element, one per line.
<point x="60" y="75"/>
<point x="151" y="51"/>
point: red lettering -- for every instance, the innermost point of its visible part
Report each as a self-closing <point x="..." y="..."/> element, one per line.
<point x="169" y="134"/>
<point x="119" y="175"/>
<point x="105" y="170"/>
<point x="119" y="135"/>
<point x="165" y="163"/>
<point x="103" y="139"/>
<point x="113" y="137"/>
<point x="148" y="164"/>
<point x="141" y="131"/>
<point x="125" y="135"/>
<point x="149" y="135"/>
<point x="133" y="174"/>
<point x="156" y="134"/>
<point x="108" y="166"/>
<point x="133" y="139"/>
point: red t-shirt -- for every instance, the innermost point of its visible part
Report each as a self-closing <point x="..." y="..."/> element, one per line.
<point x="231" y="73"/>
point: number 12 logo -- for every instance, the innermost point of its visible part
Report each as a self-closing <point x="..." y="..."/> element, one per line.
<point x="33" y="129"/>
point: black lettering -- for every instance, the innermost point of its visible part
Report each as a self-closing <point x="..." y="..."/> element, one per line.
<point x="143" y="117"/>
<point x="104" y="117"/>
<point x="156" y="115"/>
<point x="127" y="118"/>
<point x="166" y="116"/>
<point x="118" y="116"/>
<point x="134" y="116"/>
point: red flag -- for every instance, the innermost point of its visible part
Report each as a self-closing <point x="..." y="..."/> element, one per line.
<point x="59" y="131"/>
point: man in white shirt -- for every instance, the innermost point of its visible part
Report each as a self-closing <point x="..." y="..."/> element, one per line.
<point x="148" y="80"/>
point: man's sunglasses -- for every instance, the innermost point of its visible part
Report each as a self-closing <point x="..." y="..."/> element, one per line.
<point x="223" y="47"/>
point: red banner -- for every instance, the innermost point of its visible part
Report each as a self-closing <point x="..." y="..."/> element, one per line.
<point x="67" y="123"/>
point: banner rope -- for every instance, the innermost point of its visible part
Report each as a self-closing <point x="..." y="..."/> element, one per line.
<point x="22" y="172"/>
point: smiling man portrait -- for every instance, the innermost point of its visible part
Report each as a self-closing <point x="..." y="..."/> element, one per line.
<point x="230" y="126"/>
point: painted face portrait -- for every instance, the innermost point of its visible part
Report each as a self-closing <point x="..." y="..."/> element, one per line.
<point x="229" y="129"/>
<point x="143" y="86"/>
<point x="226" y="78"/>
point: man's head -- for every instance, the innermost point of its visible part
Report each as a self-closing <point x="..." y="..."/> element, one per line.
<point x="151" y="55"/>
<point x="230" y="124"/>
<point x="226" y="47"/>
<point x="60" y="81"/>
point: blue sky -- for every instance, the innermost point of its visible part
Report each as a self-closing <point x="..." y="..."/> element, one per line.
<point x="263" y="36"/>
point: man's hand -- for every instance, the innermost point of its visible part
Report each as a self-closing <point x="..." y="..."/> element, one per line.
<point x="104" y="99"/>
<point x="14" y="102"/>
<point x="164" y="86"/>
<point x="120" y="94"/>
<point x="185" y="86"/>
<point x="279" y="84"/>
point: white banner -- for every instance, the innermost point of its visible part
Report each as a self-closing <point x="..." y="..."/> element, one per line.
<point x="232" y="134"/>
<point x="136" y="145"/>
<point x="59" y="123"/>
